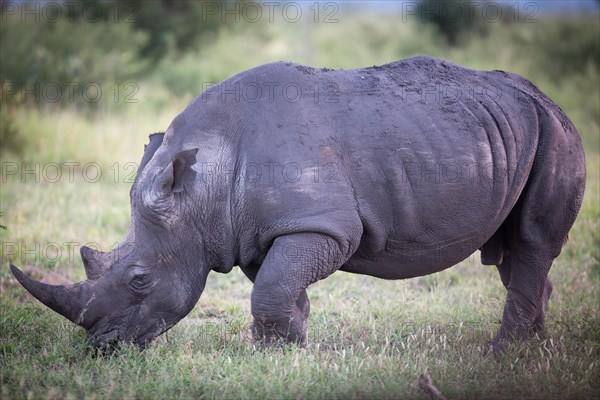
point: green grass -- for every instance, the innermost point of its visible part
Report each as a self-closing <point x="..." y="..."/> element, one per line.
<point x="368" y="338"/>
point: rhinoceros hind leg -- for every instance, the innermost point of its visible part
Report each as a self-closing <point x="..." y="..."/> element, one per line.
<point x="526" y="299"/>
<point x="504" y="270"/>
<point x="538" y="323"/>
<point x="527" y="295"/>
<point x="538" y="225"/>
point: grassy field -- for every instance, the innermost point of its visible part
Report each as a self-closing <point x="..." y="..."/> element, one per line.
<point x="368" y="338"/>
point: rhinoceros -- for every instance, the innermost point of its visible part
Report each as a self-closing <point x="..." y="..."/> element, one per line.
<point x="293" y="173"/>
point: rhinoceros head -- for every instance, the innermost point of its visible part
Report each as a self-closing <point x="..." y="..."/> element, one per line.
<point x="153" y="279"/>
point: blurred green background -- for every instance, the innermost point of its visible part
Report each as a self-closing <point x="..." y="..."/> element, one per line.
<point x="83" y="83"/>
<point x="92" y="60"/>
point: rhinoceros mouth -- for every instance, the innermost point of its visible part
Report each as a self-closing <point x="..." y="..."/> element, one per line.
<point x="106" y="342"/>
<point x="161" y="327"/>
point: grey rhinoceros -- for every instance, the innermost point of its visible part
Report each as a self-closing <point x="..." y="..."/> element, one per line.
<point x="293" y="173"/>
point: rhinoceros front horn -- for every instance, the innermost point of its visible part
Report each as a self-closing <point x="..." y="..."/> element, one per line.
<point x="67" y="300"/>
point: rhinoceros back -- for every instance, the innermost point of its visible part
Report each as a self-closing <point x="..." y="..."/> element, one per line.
<point x="423" y="154"/>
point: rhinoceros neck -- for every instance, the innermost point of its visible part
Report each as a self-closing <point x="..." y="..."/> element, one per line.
<point x="212" y="205"/>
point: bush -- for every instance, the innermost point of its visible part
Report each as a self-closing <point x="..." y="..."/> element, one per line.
<point x="567" y="46"/>
<point x="121" y="41"/>
<point x="455" y="20"/>
<point x="37" y="55"/>
<point x="11" y="141"/>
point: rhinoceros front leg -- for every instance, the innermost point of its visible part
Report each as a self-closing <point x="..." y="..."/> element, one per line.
<point x="280" y="305"/>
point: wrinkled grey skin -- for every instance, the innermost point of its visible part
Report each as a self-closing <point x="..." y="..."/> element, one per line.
<point x="293" y="173"/>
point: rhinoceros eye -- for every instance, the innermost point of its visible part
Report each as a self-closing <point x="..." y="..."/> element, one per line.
<point x="140" y="279"/>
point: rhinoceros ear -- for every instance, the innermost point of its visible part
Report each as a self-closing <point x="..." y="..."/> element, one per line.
<point x="177" y="174"/>
<point x="156" y="140"/>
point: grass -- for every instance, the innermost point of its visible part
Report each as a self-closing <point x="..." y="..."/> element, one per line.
<point x="368" y="338"/>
